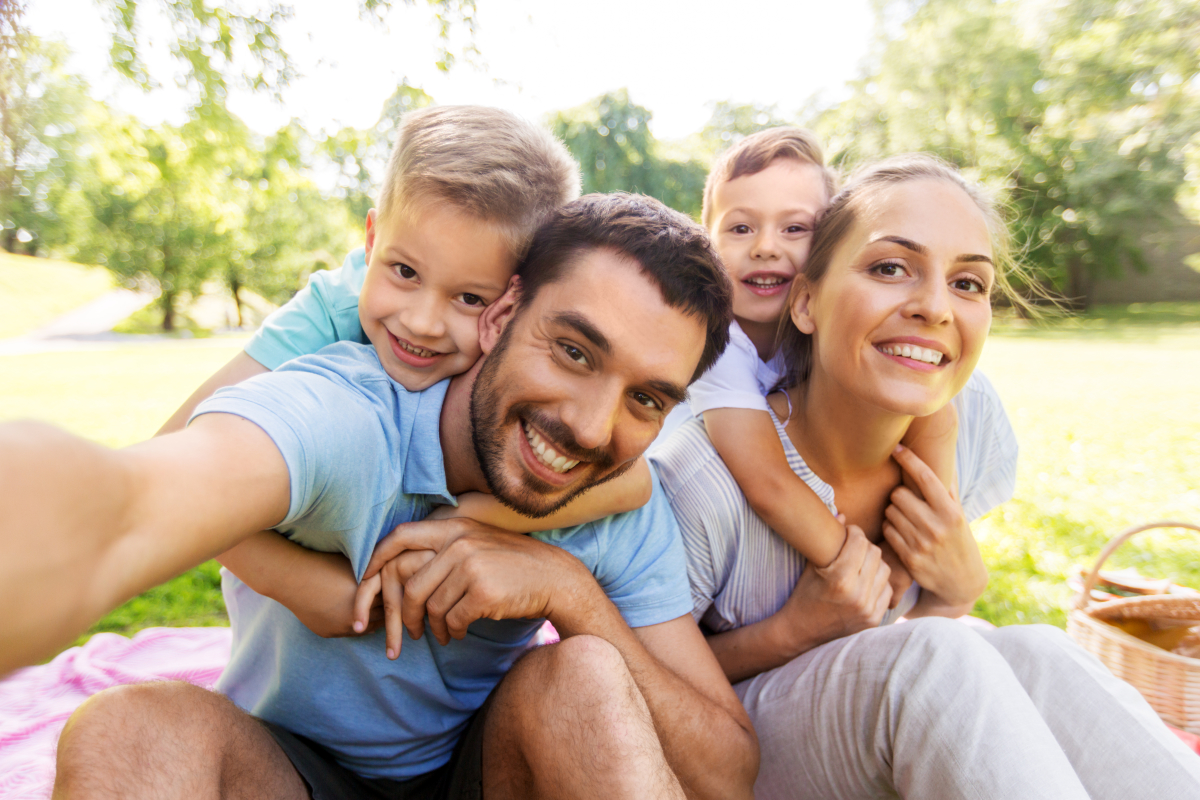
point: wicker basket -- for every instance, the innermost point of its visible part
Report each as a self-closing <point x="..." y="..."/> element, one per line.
<point x="1169" y="682"/>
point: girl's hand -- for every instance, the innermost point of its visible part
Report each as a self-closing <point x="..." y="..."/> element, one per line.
<point x="931" y="536"/>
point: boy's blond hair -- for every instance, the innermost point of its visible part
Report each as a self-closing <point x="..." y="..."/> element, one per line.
<point x="757" y="152"/>
<point x="487" y="162"/>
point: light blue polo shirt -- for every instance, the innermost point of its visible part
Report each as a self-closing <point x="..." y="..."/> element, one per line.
<point x="323" y="312"/>
<point x="364" y="455"/>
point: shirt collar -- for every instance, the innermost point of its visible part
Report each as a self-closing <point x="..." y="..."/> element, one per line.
<point x="420" y="417"/>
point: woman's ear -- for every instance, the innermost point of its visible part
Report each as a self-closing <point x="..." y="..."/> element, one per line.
<point x="800" y="311"/>
<point x="498" y="314"/>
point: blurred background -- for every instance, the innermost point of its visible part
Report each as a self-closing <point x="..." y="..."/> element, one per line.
<point x="171" y="170"/>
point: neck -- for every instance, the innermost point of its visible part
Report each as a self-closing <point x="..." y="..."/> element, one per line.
<point x="463" y="473"/>
<point x="839" y="435"/>
<point x="762" y="334"/>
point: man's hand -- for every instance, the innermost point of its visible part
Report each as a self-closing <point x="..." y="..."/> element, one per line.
<point x="456" y="571"/>
<point x="931" y="535"/>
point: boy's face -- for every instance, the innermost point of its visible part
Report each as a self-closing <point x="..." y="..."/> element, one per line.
<point x="762" y="226"/>
<point x="429" y="276"/>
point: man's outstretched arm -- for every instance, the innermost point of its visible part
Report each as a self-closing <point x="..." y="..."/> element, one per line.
<point x="83" y="528"/>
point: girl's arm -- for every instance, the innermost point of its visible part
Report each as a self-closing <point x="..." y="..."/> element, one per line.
<point x="746" y="440"/>
<point x="933" y="439"/>
<point x="624" y="493"/>
<point x="319" y="588"/>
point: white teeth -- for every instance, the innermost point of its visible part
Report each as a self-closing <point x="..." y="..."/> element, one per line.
<point x="547" y="454"/>
<point x="766" y="282"/>
<point x="416" y="351"/>
<point x="912" y="351"/>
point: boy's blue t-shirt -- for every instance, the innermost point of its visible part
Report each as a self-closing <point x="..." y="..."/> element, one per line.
<point x="364" y="455"/>
<point x="323" y="312"/>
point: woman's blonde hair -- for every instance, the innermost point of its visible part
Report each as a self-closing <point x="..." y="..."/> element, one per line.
<point x="837" y="220"/>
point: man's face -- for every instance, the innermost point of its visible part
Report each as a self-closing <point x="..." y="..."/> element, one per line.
<point x="578" y="383"/>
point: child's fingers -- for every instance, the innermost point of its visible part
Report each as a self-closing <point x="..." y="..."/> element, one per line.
<point x="364" y="598"/>
<point x="393" y="594"/>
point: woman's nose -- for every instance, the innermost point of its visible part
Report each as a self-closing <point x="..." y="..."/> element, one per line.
<point x="931" y="302"/>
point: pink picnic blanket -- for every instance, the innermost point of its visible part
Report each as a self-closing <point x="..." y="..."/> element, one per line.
<point x="36" y="701"/>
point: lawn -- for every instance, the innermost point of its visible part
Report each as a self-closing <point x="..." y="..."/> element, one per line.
<point x="25" y="303"/>
<point x="1105" y="408"/>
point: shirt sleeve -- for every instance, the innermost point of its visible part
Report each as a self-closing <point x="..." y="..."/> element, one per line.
<point x="642" y="566"/>
<point x="330" y="436"/>
<point x="986" y="453"/>
<point x="323" y="312"/>
<point x="732" y="382"/>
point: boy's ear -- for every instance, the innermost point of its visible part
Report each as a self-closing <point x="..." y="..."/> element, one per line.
<point x="800" y="311"/>
<point x="370" y="242"/>
<point x="499" y="314"/>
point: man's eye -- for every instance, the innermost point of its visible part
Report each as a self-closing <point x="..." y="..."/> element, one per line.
<point x="405" y="271"/>
<point x="473" y="300"/>
<point x="575" y="354"/>
<point x="643" y="399"/>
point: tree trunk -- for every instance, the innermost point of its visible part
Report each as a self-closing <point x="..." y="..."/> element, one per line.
<point x="166" y="303"/>
<point x="235" y="286"/>
<point x="1079" y="285"/>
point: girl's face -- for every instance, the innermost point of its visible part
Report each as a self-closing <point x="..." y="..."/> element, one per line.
<point x="901" y="314"/>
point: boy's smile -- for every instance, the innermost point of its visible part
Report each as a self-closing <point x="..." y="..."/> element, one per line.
<point x="762" y="225"/>
<point x="431" y="272"/>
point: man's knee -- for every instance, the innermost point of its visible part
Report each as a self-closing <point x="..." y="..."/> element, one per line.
<point x="574" y="667"/>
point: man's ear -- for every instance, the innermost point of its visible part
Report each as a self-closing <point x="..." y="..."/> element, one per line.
<point x="499" y="314"/>
<point x="801" y="307"/>
<point x="370" y="241"/>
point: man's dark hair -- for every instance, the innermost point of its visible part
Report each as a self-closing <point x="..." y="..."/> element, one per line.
<point x="672" y="250"/>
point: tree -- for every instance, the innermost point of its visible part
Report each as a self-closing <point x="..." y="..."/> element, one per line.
<point x="1079" y="112"/>
<point x="730" y="122"/>
<point x="610" y="137"/>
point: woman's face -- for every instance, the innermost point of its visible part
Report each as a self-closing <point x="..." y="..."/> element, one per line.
<point x="901" y="314"/>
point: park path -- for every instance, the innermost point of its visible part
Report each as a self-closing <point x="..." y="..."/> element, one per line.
<point x="89" y="326"/>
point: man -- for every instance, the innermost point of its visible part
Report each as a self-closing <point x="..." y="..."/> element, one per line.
<point x="592" y="354"/>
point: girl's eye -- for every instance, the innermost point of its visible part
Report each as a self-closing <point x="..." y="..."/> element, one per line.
<point x="797" y="229"/>
<point x="643" y="399"/>
<point x="405" y="271"/>
<point x="890" y="270"/>
<point x="473" y="300"/>
<point x="740" y="229"/>
<point x="973" y="285"/>
<point x="575" y="354"/>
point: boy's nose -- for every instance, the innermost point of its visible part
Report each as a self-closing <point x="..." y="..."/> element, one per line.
<point x="423" y="317"/>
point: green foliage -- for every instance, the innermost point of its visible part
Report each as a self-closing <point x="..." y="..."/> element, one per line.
<point x="610" y="137"/>
<point x="730" y="122"/>
<point x="1080" y="112"/>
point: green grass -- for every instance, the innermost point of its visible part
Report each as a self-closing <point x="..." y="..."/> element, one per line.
<point x="1105" y="407"/>
<point x="118" y="397"/>
<point x="33" y="291"/>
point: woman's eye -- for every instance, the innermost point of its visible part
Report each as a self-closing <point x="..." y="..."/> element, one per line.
<point x="972" y="285"/>
<point x="643" y="399"/>
<point x="405" y="271"/>
<point x="473" y="300"/>
<point x="891" y="270"/>
<point x="575" y="354"/>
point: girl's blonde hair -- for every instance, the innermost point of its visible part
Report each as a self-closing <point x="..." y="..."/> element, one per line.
<point x="837" y="220"/>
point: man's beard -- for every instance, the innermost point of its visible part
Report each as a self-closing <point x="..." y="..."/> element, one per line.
<point x="531" y="497"/>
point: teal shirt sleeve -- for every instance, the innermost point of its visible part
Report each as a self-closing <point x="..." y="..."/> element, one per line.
<point x="323" y="312"/>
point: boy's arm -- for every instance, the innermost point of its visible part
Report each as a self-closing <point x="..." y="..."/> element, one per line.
<point x="747" y="442"/>
<point x="319" y="588"/>
<point x="239" y="368"/>
<point x="85" y="528"/>
<point x="625" y="493"/>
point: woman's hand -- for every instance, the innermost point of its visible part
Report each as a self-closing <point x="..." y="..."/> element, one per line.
<point x="933" y="539"/>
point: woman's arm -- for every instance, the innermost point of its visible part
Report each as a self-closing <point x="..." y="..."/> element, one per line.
<point x="625" y="493"/>
<point x="319" y="588"/>
<point x="748" y="444"/>
<point x="849" y="595"/>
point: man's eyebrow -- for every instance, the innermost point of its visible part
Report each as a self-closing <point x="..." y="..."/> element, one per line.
<point x="672" y="391"/>
<point x="584" y="328"/>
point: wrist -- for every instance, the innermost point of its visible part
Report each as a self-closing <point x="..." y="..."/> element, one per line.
<point x="576" y="602"/>
<point x="783" y="636"/>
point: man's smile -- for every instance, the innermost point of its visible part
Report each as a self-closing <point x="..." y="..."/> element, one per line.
<point x="546" y="461"/>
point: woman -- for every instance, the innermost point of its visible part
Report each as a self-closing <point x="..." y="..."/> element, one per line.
<point x="908" y="255"/>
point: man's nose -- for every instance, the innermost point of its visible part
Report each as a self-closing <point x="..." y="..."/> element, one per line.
<point x="592" y="415"/>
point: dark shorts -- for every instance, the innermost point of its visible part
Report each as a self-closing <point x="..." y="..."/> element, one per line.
<point x="459" y="779"/>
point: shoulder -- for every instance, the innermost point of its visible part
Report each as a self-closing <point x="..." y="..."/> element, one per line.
<point x="343" y="285"/>
<point x="688" y="458"/>
<point x="986" y="452"/>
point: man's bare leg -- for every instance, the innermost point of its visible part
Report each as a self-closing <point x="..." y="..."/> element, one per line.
<point x="170" y="740"/>
<point x="568" y="721"/>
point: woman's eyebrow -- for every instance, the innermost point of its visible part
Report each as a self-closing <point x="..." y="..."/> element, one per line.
<point x="975" y="258"/>
<point x="916" y="247"/>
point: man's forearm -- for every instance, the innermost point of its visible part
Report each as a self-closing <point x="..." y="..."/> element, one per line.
<point x="708" y="741"/>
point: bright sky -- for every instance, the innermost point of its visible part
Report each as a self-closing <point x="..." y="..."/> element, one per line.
<point x="675" y="57"/>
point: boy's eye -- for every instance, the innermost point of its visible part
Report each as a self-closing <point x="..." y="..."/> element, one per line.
<point x="473" y="300"/>
<point x="405" y="271"/>
<point x="740" y="229"/>
<point x="575" y="354"/>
